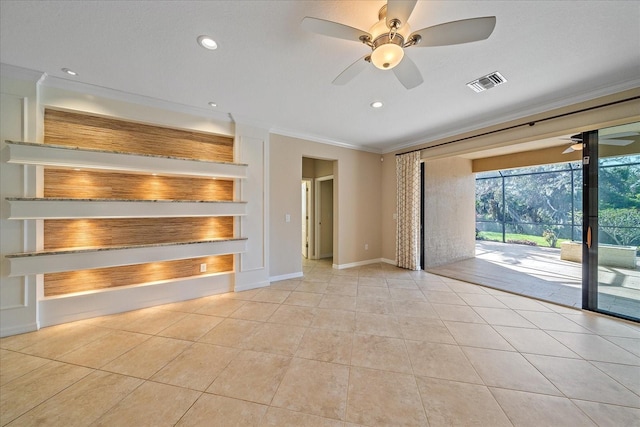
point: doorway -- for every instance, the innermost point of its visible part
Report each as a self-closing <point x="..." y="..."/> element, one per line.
<point x="611" y="279"/>
<point x="324" y="217"/>
<point x="317" y="208"/>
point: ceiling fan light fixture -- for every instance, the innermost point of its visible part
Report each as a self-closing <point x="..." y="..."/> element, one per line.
<point x="387" y="56"/>
<point x="577" y="146"/>
<point x="387" y="43"/>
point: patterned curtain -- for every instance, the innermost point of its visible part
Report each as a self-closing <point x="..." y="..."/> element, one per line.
<point x="408" y="211"/>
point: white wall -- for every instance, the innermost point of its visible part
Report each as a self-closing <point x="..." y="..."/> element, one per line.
<point x="252" y="147"/>
<point x="22" y="303"/>
<point x="357" y="201"/>
<point x="449" y="210"/>
<point x="18" y="118"/>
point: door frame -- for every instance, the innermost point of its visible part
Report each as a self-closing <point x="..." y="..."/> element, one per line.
<point x="317" y="209"/>
<point x="590" y="226"/>
<point x="590" y="160"/>
<point x="310" y="216"/>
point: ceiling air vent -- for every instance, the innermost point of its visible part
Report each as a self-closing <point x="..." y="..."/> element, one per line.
<point x="487" y="82"/>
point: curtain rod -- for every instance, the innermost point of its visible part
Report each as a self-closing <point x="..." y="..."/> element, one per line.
<point x="532" y="123"/>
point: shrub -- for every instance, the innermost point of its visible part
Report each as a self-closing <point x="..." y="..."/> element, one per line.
<point x="550" y="236"/>
<point x="523" y="242"/>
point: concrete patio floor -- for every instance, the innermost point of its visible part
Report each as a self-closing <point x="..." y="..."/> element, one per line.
<point x="539" y="272"/>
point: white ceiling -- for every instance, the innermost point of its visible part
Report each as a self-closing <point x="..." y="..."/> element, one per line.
<point x="268" y="70"/>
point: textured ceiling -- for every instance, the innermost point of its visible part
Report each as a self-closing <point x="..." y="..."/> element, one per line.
<point x="268" y="70"/>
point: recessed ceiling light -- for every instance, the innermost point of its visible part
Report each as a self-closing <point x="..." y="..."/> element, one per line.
<point x="376" y="104"/>
<point x="70" y="72"/>
<point x="207" y="42"/>
<point x="213" y="104"/>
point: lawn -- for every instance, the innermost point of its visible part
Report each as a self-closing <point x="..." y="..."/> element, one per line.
<point x="497" y="237"/>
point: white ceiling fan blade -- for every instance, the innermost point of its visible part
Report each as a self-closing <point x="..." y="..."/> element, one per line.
<point x="456" y="32"/>
<point x="408" y="74"/>
<point x="568" y="150"/>
<point x="351" y="71"/>
<point x="400" y="10"/>
<point x="618" y="142"/>
<point x="332" y="29"/>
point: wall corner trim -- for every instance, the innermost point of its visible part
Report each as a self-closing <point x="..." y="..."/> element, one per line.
<point x="249" y="286"/>
<point x="20" y="329"/>
<point x="357" y="264"/>
<point x="286" y="276"/>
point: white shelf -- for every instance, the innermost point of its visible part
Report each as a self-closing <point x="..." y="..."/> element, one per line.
<point x="83" y="259"/>
<point x="43" y="208"/>
<point x="67" y="157"/>
<point x="77" y="306"/>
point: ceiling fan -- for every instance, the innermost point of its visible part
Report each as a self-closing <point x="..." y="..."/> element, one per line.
<point x="612" y="139"/>
<point x="391" y="35"/>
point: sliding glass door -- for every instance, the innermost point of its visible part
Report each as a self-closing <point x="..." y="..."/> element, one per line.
<point x="612" y="221"/>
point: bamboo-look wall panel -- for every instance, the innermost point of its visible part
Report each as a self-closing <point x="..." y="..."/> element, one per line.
<point x="86" y="131"/>
<point x="104" y="278"/>
<point x="85" y="184"/>
<point x="91" y="132"/>
<point x="79" y="233"/>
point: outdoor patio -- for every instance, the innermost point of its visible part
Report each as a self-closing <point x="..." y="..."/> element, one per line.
<point x="539" y="272"/>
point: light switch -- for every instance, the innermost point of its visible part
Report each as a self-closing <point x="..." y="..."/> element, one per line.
<point x="287" y="218"/>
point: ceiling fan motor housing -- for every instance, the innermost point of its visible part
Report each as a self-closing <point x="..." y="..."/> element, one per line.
<point x="391" y="52"/>
<point x="391" y="34"/>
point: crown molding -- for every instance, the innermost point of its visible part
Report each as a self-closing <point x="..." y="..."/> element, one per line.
<point x="249" y="121"/>
<point x="323" y="140"/>
<point x="521" y="114"/>
<point x="19" y="73"/>
<point x="118" y="95"/>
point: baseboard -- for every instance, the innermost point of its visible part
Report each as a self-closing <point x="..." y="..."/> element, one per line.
<point x="21" y="329"/>
<point x="286" y="276"/>
<point x="249" y="286"/>
<point x="70" y="308"/>
<point x="357" y="264"/>
<point x="389" y="261"/>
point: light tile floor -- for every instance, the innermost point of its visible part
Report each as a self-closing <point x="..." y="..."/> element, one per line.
<point x="539" y="272"/>
<point x="372" y="346"/>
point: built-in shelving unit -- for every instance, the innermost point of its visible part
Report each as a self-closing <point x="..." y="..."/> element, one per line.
<point x="68" y="157"/>
<point x="85" y="258"/>
<point x="57" y="208"/>
<point x="125" y="205"/>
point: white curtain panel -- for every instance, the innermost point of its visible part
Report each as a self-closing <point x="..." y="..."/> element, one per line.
<point x="408" y="211"/>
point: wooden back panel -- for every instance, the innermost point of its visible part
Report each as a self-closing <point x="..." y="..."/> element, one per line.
<point x="101" y="133"/>
<point x="91" y="132"/>
<point x="104" y="278"/>
<point x="86" y="184"/>
<point x="77" y="233"/>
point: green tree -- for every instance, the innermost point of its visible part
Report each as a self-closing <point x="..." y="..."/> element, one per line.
<point x="619" y="186"/>
<point x="621" y="225"/>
